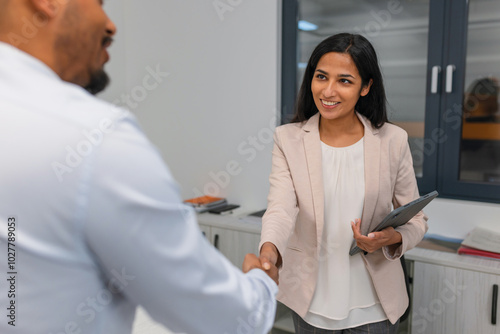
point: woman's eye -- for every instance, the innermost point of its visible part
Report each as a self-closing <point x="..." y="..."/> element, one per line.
<point x="321" y="76"/>
<point x="344" y="81"/>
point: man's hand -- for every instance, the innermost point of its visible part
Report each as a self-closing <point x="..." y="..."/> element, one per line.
<point x="251" y="261"/>
<point x="375" y="240"/>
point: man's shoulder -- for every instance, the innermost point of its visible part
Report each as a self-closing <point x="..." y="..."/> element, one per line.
<point x="84" y="110"/>
<point x="80" y="101"/>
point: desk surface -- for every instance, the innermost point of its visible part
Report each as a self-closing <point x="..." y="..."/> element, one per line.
<point x="452" y="259"/>
<point x="231" y="221"/>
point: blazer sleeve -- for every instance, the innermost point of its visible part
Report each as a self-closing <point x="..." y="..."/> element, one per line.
<point x="405" y="191"/>
<point x="279" y="220"/>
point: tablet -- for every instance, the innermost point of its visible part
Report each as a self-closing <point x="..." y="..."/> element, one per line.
<point x="400" y="216"/>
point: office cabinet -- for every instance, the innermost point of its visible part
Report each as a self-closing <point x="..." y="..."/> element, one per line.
<point x="453" y="293"/>
<point x="231" y="242"/>
<point x="207" y="232"/>
<point x="231" y="236"/>
<point x="452" y="300"/>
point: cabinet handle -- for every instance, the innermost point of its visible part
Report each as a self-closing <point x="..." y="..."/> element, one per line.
<point x="216" y="241"/>
<point x="449" y="78"/>
<point x="494" y="305"/>
<point x="434" y="78"/>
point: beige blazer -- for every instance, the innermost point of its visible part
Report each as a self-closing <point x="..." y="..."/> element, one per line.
<point x="294" y="217"/>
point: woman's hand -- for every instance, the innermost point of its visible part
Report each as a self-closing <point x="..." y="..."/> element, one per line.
<point x="375" y="240"/>
<point x="270" y="259"/>
<point x="269" y="254"/>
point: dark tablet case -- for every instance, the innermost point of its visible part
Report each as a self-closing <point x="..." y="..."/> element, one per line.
<point x="400" y="216"/>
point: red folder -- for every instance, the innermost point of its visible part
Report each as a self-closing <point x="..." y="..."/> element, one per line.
<point x="473" y="251"/>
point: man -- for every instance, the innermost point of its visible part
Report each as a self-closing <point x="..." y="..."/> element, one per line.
<point x="91" y="218"/>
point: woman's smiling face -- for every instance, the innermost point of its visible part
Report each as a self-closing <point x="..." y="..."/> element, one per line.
<point x="336" y="86"/>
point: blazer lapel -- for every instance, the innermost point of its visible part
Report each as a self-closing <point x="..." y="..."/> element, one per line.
<point x="312" y="148"/>
<point x="372" y="173"/>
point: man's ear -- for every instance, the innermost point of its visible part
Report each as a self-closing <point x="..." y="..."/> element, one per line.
<point x="48" y="8"/>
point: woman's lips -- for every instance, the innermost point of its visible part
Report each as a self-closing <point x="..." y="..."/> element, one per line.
<point x="329" y="104"/>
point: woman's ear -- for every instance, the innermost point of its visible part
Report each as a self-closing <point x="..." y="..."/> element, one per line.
<point x="366" y="89"/>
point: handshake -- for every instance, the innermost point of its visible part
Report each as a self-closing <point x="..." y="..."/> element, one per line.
<point x="269" y="261"/>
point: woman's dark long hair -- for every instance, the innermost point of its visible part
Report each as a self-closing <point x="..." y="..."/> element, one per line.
<point x="373" y="105"/>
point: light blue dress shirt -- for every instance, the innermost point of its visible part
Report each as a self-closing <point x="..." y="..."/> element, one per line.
<point x="99" y="224"/>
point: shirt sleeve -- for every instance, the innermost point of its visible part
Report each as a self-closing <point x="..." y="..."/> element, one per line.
<point x="140" y="231"/>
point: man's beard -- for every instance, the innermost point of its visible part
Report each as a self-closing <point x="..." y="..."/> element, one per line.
<point x="99" y="80"/>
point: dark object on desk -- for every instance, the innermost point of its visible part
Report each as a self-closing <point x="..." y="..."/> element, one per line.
<point x="258" y="213"/>
<point x="224" y="209"/>
<point x="400" y="216"/>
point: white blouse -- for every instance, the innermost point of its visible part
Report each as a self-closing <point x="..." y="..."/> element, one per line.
<point x="344" y="295"/>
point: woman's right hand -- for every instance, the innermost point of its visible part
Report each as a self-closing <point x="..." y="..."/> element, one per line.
<point x="270" y="258"/>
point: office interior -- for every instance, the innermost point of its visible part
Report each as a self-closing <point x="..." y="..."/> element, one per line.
<point x="204" y="79"/>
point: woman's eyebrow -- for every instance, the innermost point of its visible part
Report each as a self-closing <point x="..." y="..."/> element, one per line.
<point x="339" y="75"/>
<point x="345" y="76"/>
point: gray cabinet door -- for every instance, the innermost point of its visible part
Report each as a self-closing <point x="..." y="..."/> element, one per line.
<point x="451" y="300"/>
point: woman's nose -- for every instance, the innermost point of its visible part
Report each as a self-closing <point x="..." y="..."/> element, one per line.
<point x="329" y="89"/>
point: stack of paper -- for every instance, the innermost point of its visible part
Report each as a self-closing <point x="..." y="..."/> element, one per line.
<point x="482" y="241"/>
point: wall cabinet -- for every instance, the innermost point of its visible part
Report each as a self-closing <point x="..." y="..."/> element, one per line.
<point x="453" y="293"/>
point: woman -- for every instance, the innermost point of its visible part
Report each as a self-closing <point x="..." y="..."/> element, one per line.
<point x="338" y="169"/>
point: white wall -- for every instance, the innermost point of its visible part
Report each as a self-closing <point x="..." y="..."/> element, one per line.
<point x="212" y="117"/>
<point x="454" y="219"/>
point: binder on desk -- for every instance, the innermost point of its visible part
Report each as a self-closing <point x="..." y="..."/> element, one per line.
<point x="484" y="238"/>
<point x="399" y="216"/>
<point x="477" y="252"/>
